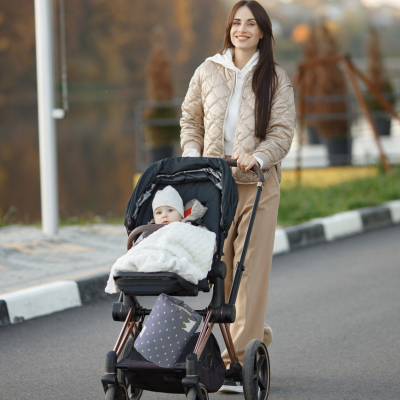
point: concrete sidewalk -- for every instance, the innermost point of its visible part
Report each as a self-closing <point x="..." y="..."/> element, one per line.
<point x="28" y="258"/>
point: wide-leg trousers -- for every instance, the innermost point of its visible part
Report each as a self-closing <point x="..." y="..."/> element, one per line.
<point x="251" y="302"/>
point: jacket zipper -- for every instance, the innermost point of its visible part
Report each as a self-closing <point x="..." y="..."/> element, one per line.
<point x="240" y="104"/>
<point x="226" y="113"/>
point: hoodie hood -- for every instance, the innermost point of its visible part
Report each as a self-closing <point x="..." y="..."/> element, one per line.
<point x="226" y="60"/>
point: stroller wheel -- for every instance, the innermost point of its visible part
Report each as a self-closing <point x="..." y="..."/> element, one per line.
<point x="192" y="394"/>
<point x="110" y="394"/>
<point x="256" y="371"/>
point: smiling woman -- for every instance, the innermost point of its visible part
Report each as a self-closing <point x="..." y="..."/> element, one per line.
<point x="240" y="104"/>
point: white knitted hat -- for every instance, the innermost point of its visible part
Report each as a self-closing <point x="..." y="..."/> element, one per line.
<point x="168" y="197"/>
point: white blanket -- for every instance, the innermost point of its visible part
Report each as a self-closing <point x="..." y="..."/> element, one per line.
<point x="178" y="247"/>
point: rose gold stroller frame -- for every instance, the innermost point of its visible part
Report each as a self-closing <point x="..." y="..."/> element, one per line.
<point x="129" y="328"/>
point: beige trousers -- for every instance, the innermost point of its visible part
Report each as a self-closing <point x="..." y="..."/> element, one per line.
<point x="251" y="302"/>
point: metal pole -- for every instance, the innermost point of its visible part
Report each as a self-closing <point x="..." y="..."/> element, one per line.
<point x="47" y="131"/>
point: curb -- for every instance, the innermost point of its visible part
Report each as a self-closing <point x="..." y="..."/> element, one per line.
<point x="46" y="299"/>
<point x="337" y="226"/>
<point x="49" y="298"/>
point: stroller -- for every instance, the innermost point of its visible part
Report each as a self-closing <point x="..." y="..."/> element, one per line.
<point x="127" y="373"/>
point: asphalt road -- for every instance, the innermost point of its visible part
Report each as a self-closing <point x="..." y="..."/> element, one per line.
<point x="334" y="310"/>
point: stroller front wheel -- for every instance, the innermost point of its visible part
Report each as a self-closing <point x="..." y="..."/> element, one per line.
<point x="192" y="394"/>
<point x="110" y="394"/>
<point x="256" y="371"/>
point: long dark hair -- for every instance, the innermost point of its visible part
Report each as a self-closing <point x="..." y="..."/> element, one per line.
<point x="264" y="77"/>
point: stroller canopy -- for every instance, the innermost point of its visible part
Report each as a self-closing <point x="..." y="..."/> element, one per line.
<point x="208" y="180"/>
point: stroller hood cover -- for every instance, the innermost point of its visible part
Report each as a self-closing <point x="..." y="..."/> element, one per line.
<point x="207" y="179"/>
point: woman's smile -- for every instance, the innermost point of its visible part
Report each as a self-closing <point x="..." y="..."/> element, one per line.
<point x="242" y="38"/>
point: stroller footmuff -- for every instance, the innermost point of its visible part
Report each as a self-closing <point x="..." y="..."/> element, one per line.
<point x="199" y="369"/>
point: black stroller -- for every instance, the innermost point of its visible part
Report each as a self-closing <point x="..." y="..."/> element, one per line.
<point x="127" y="373"/>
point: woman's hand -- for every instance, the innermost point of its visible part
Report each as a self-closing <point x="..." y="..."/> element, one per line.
<point x="245" y="161"/>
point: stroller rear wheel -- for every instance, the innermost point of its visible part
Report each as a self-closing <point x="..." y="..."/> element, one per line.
<point x="256" y="371"/>
<point x="192" y="394"/>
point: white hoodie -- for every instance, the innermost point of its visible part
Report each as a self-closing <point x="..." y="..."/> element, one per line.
<point x="234" y="104"/>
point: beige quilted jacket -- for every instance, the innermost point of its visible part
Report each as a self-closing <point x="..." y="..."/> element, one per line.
<point x="204" y="111"/>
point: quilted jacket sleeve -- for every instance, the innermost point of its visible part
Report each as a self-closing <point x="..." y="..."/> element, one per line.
<point x="192" y="125"/>
<point x="281" y="125"/>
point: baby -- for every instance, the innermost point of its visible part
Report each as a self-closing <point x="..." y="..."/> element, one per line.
<point x="167" y="206"/>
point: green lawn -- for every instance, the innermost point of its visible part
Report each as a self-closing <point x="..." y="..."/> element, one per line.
<point x="302" y="204"/>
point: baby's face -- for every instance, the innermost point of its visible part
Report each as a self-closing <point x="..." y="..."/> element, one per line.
<point x="166" y="215"/>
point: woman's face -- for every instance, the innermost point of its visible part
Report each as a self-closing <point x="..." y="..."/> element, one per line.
<point x="245" y="32"/>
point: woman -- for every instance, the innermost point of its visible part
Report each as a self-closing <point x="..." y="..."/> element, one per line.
<point x="240" y="104"/>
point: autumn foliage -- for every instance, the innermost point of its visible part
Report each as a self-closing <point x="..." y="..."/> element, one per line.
<point x="108" y="49"/>
<point x="376" y="71"/>
<point x="161" y="88"/>
<point x="325" y="80"/>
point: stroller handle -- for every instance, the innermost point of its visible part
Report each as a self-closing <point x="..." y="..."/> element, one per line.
<point x="233" y="163"/>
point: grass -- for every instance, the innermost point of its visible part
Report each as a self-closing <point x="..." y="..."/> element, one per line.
<point x="300" y="204"/>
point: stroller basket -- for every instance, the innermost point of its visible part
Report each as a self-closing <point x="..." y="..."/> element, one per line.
<point x="148" y="376"/>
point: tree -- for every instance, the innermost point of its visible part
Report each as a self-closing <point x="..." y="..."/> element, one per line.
<point x="310" y="74"/>
<point x="376" y="71"/>
<point x="329" y="81"/>
<point x="160" y="88"/>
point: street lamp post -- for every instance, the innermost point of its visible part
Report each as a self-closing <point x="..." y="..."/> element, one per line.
<point x="47" y="129"/>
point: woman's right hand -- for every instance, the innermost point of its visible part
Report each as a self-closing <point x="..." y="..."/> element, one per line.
<point x="191" y="153"/>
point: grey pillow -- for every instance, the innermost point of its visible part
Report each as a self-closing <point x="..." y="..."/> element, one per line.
<point x="167" y="330"/>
